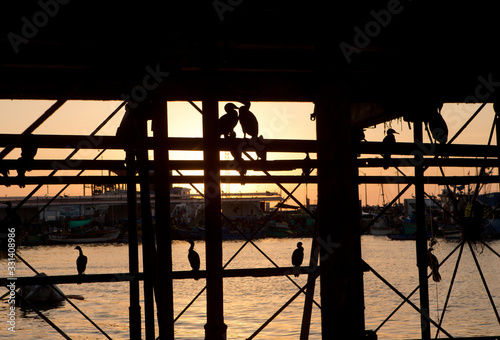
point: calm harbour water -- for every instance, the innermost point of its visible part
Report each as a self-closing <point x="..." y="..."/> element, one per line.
<point x="249" y="302"/>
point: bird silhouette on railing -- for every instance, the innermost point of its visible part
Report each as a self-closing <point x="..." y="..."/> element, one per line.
<point x="81" y="261"/>
<point x="28" y="153"/>
<point x="306" y="168"/>
<point x="297" y="258"/>
<point x="388" y="144"/>
<point x="248" y="121"/>
<point x="228" y="121"/>
<point x="194" y="260"/>
<point x="437" y="126"/>
<point x="260" y="148"/>
<point x="236" y="153"/>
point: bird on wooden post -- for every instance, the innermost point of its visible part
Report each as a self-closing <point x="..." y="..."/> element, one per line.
<point x="248" y="121"/>
<point x="81" y="261"/>
<point x="388" y="143"/>
<point x="297" y="258"/>
<point x="194" y="260"/>
<point x="228" y="121"/>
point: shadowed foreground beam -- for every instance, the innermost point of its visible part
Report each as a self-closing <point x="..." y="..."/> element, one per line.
<point x="439" y="180"/>
<point x="177" y="275"/>
<point x="174" y="143"/>
<point x="31" y="180"/>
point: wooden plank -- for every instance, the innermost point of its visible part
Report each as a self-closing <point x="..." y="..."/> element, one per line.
<point x="174" y="143"/>
<point x="126" y="277"/>
<point x="35" y="180"/>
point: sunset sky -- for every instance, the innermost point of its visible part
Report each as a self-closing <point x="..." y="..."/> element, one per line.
<point x="276" y="120"/>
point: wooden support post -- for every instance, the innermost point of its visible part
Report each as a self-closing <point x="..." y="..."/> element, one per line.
<point x="165" y="302"/>
<point x="215" y="329"/>
<point x="148" y="250"/>
<point x="342" y="302"/>
<point x="421" y="242"/>
<point x="133" y="249"/>
<point x="313" y="263"/>
<point x="496" y="108"/>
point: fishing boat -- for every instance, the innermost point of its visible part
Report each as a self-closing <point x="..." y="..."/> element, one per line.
<point x="88" y="237"/>
<point x="278" y="229"/>
<point x="81" y="231"/>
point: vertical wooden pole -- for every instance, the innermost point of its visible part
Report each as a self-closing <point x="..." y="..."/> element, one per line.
<point x="421" y="242"/>
<point x="164" y="291"/>
<point x="133" y="249"/>
<point x="496" y="108"/>
<point x="313" y="263"/>
<point x="148" y="250"/>
<point x="215" y="329"/>
<point x="342" y="301"/>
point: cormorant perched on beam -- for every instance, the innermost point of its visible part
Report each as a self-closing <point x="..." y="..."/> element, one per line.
<point x="236" y="153"/>
<point x="438" y="127"/>
<point x="306" y="169"/>
<point x="194" y="260"/>
<point x="28" y="153"/>
<point x="297" y="258"/>
<point x="228" y="121"/>
<point x="81" y="261"/>
<point x="248" y="121"/>
<point x="260" y="148"/>
<point x="389" y="141"/>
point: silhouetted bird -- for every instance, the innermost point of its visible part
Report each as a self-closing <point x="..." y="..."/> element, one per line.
<point x="297" y="258"/>
<point x="228" y="121"/>
<point x="260" y="148"/>
<point x="194" y="260"/>
<point x="81" y="261"/>
<point x="306" y="169"/>
<point x="389" y="141"/>
<point x="249" y="123"/>
<point x="438" y="127"/>
<point x="236" y="153"/>
<point x="433" y="263"/>
<point x="28" y="153"/>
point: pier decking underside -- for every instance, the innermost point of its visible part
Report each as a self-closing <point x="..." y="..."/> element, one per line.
<point x="408" y="57"/>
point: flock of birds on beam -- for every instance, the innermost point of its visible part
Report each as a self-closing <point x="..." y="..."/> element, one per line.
<point x="434" y="122"/>
<point x="297" y="259"/>
<point x="194" y="259"/>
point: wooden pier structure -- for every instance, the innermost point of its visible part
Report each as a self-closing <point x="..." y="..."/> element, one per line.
<point x="360" y="62"/>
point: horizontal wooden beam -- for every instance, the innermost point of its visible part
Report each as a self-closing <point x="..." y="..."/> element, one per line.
<point x="429" y="162"/>
<point x="389" y="179"/>
<point x="426" y="149"/>
<point x="270" y="145"/>
<point x="85" y="164"/>
<point x="124" y="277"/>
<point x="257" y="165"/>
<point x="173" y="143"/>
<point x="35" y="180"/>
<point x="438" y="180"/>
